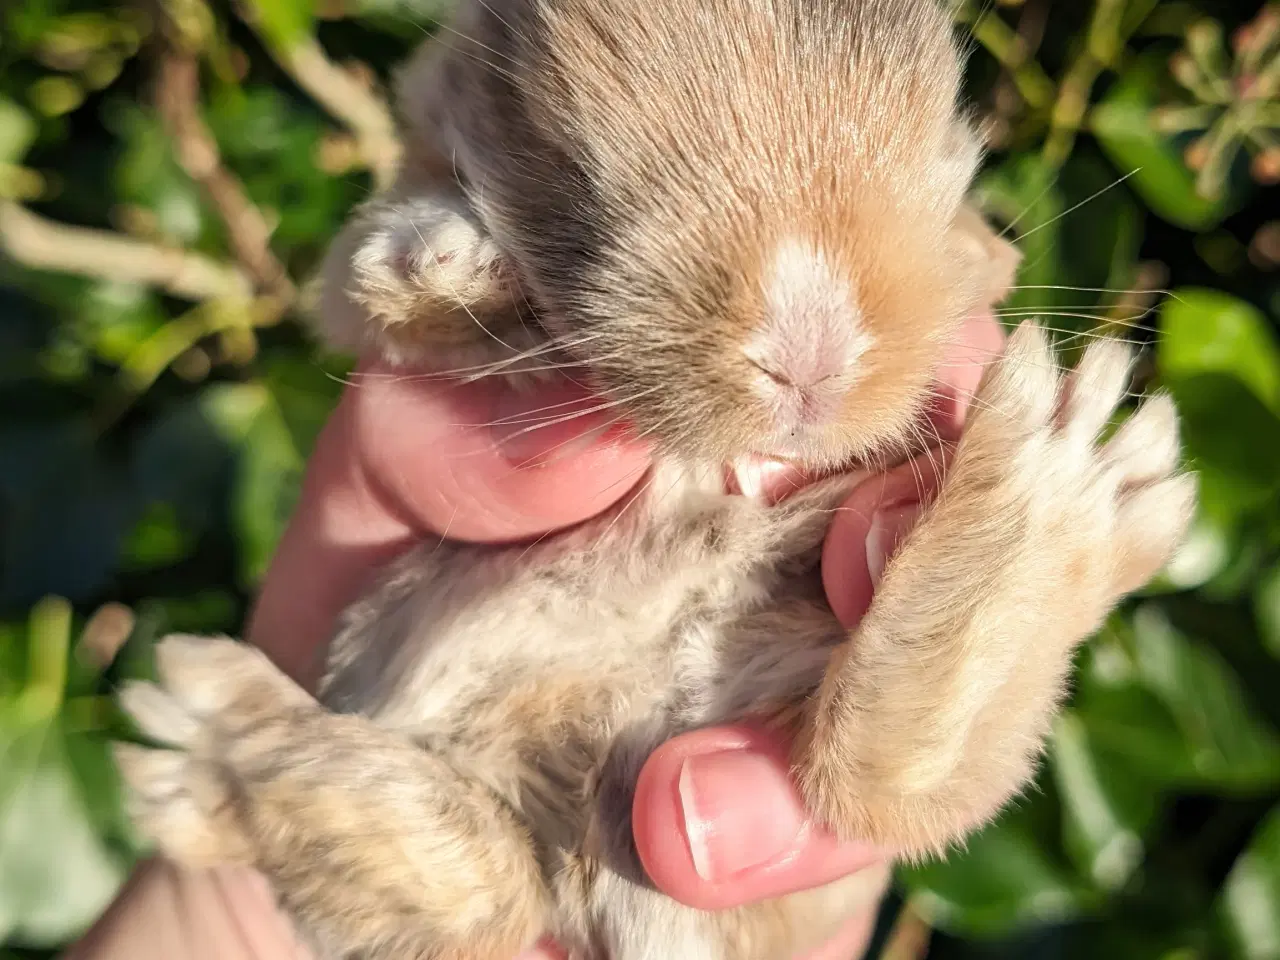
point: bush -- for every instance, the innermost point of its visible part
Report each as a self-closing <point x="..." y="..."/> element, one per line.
<point x="159" y="402"/>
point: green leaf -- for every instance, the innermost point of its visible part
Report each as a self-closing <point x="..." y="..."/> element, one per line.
<point x="1250" y="902"/>
<point x="413" y="10"/>
<point x="1219" y="357"/>
<point x="1131" y="722"/>
<point x="1099" y="233"/>
<point x="148" y="174"/>
<point x="273" y="142"/>
<point x="1107" y="806"/>
<point x="17" y="131"/>
<point x="1079" y="233"/>
<point x="56" y="876"/>
<point x="94" y="769"/>
<point x="267" y="487"/>
<point x="1230" y="746"/>
<point x="1122" y="125"/>
<point x="13" y="659"/>
<point x="158" y="539"/>
<point x="408" y="19"/>
<point x="1266" y="606"/>
<point x="1236" y="579"/>
<point x="230" y="445"/>
<point x="1171" y="706"/>
<point x="209" y="610"/>
<point x="183" y="466"/>
<point x="1207" y="331"/>
<point x="251" y="124"/>
<point x="65" y="507"/>
<point x="1239" y="467"/>
<point x="286" y="23"/>
<point x="117" y="319"/>
<point x="1003" y="880"/>
<point x="1170" y="937"/>
<point x="306" y="393"/>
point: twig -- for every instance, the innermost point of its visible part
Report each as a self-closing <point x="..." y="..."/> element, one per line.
<point x="1138" y="301"/>
<point x="147" y="361"/>
<point x="1104" y="45"/>
<point x="154" y="355"/>
<point x="178" y="101"/>
<point x="358" y="107"/>
<point x="1032" y="24"/>
<point x="104" y="634"/>
<point x="1013" y="53"/>
<point x="43" y="244"/>
<point x="910" y="936"/>
<point x="1006" y="98"/>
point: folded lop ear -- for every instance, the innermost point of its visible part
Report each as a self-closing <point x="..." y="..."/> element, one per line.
<point x="994" y="260"/>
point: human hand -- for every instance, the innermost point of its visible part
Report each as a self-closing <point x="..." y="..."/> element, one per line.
<point x="406" y="458"/>
<point x="395" y="464"/>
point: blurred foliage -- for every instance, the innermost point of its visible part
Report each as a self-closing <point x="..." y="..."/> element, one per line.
<point x="159" y="401"/>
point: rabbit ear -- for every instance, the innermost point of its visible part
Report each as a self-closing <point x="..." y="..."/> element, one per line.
<point x="995" y="260"/>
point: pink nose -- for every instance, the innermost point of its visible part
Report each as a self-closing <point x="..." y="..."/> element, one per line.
<point x="800" y="398"/>
<point x="807" y="350"/>
<point x="803" y="383"/>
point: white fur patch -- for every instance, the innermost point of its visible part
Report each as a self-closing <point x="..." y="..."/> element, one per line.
<point x="812" y="329"/>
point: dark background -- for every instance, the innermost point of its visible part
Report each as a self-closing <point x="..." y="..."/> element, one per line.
<point x="158" y="400"/>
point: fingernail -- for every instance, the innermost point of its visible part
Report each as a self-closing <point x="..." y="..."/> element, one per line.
<point x="533" y="428"/>
<point x="889" y="525"/>
<point x="739" y="813"/>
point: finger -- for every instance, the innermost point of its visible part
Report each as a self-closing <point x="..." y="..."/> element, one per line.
<point x="872" y="522"/>
<point x="981" y="340"/>
<point x="166" y="912"/>
<point x="405" y="458"/>
<point x="718" y="823"/>
<point x="486" y="463"/>
<point x="869" y="527"/>
<point x="717" y="820"/>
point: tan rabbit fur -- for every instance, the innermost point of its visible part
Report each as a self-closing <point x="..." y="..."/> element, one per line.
<point x="682" y="197"/>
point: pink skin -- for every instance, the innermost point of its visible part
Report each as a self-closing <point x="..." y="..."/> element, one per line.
<point x="403" y="459"/>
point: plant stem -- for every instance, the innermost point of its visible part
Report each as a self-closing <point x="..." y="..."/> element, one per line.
<point x="360" y="109"/>
<point x="88" y="714"/>
<point x="1183" y="119"/>
<point x="43" y="244"/>
<point x="1108" y="30"/>
<point x="49" y="633"/>
<point x="910" y="936"/>
<point x="1220" y="151"/>
<point x="1011" y="52"/>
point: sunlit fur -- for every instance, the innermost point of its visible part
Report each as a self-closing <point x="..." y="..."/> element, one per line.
<point x="620" y="177"/>
<point x="641" y="164"/>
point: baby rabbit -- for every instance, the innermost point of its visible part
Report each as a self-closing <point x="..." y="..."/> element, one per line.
<point x="743" y="223"/>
